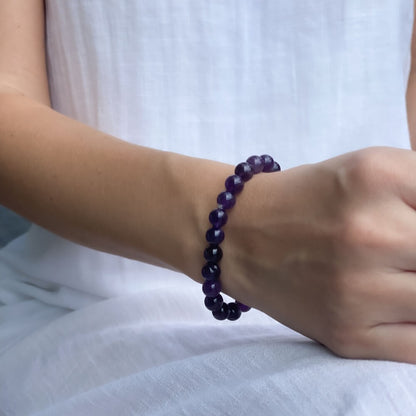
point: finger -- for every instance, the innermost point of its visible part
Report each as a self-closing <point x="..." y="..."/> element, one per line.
<point x="403" y="164"/>
<point x="393" y="342"/>
<point x="390" y="299"/>
<point x="394" y="235"/>
<point x="391" y="168"/>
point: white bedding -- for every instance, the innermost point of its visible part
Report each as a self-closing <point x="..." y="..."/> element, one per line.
<point x="85" y="333"/>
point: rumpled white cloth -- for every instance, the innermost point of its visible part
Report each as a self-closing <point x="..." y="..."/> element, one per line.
<point x="85" y="333"/>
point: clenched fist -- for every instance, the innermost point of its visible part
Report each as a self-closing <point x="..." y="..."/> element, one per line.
<point x="330" y="250"/>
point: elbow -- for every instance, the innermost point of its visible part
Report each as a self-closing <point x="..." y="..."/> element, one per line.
<point x="9" y="90"/>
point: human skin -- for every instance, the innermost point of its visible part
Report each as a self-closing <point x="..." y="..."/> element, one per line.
<point x="411" y="90"/>
<point x="327" y="249"/>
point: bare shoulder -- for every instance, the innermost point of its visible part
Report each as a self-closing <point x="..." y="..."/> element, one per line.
<point x="22" y="48"/>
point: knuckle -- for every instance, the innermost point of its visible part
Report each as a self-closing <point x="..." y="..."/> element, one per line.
<point x="360" y="183"/>
<point x="372" y="159"/>
<point x="368" y="167"/>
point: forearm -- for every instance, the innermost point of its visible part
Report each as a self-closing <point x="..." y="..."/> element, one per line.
<point x="411" y="107"/>
<point x="102" y="192"/>
<point x="411" y="90"/>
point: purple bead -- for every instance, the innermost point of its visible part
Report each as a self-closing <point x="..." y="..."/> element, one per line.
<point x="213" y="304"/>
<point x="276" y="167"/>
<point x="256" y="163"/>
<point x="268" y="163"/>
<point x="234" y="311"/>
<point x="211" y="288"/>
<point x="243" y="308"/>
<point x="226" y="200"/>
<point x="221" y="313"/>
<point x="214" y="236"/>
<point x="213" y="253"/>
<point x="211" y="271"/>
<point x="218" y="218"/>
<point x="234" y="184"/>
<point x="244" y="171"/>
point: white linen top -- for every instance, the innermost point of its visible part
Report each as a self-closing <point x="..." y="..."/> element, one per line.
<point x="84" y="332"/>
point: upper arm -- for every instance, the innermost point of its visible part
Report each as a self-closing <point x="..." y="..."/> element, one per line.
<point x="411" y="89"/>
<point x="22" y="49"/>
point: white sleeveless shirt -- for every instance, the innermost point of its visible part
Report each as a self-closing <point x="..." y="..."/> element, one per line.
<point x="301" y="80"/>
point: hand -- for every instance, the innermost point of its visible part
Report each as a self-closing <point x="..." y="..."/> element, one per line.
<point x="330" y="250"/>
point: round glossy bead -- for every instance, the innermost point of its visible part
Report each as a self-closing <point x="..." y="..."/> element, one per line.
<point x="211" y="271"/>
<point x="214" y="236"/>
<point x="244" y="171"/>
<point x="213" y="304"/>
<point x="211" y="288"/>
<point x="234" y="311"/>
<point x="243" y="308"/>
<point x="213" y="253"/>
<point x="226" y="200"/>
<point x="234" y="184"/>
<point x="268" y="163"/>
<point x="256" y="163"/>
<point x="218" y="218"/>
<point x="221" y="313"/>
<point x="276" y="167"/>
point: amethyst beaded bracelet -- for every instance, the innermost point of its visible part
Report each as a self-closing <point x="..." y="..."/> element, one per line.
<point x="218" y="217"/>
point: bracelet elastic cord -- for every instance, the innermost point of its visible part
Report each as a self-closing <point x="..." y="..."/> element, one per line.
<point x="226" y="200"/>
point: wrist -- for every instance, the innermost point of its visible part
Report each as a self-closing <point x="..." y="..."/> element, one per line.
<point x="256" y="220"/>
<point x="213" y="254"/>
<point x="195" y="183"/>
